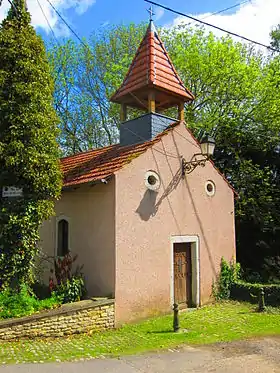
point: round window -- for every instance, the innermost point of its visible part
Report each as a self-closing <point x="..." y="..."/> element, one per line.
<point x="152" y="180"/>
<point x="210" y="188"/>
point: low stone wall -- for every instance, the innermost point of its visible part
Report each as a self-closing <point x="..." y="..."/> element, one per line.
<point x="80" y="317"/>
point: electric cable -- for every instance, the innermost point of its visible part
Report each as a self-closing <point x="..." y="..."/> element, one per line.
<point x="226" y="9"/>
<point x="213" y="26"/>
<point x="66" y="23"/>
<point x="167" y="154"/>
<point x="46" y="18"/>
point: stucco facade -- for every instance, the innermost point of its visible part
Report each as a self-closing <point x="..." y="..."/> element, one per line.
<point x="90" y="211"/>
<point x="146" y="222"/>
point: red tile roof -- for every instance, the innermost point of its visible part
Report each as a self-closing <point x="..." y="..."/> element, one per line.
<point x="98" y="164"/>
<point x="152" y="67"/>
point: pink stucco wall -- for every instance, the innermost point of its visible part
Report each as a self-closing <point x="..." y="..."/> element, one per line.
<point x="146" y="221"/>
<point x="90" y="210"/>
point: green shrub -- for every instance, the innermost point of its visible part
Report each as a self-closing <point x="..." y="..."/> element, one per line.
<point x="24" y="302"/>
<point x="229" y="274"/>
<point x="72" y="290"/>
<point x="248" y="292"/>
<point x="67" y="283"/>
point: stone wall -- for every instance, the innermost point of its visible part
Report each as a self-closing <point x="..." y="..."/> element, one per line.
<point x="80" y="317"/>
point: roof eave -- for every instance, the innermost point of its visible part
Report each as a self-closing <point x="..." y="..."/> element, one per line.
<point x="73" y="185"/>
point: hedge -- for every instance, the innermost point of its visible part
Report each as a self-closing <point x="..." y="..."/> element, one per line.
<point x="244" y="291"/>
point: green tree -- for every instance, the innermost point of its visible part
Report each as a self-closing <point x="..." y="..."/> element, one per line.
<point x="29" y="154"/>
<point x="275" y="37"/>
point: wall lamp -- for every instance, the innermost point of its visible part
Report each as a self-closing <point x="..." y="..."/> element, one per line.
<point x="207" y="146"/>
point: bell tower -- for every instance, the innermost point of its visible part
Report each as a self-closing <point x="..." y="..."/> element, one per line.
<point x="152" y="83"/>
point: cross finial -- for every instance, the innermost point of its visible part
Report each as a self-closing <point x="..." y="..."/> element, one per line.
<point x="150" y="10"/>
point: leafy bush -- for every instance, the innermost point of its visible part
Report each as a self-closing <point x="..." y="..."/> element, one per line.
<point x="24" y="302"/>
<point x="69" y="285"/>
<point x="229" y="274"/>
<point x="72" y="290"/>
<point x="248" y="292"/>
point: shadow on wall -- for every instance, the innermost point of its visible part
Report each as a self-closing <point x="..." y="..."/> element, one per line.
<point x="148" y="206"/>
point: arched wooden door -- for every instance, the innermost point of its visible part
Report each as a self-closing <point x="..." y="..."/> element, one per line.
<point x="182" y="274"/>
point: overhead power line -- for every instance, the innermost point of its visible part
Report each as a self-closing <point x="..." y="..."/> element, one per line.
<point x="12" y="5"/>
<point x="226" y="9"/>
<point x="213" y="26"/>
<point x="66" y="23"/>
<point x="46" y="18"/>
<point x="222" y="11"/>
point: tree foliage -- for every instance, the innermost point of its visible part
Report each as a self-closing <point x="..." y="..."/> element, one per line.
<point x="28" y="148"/>
<point x="275" y="37"/>
<point x="237" y="100"/>
<point x="85" y="78"/>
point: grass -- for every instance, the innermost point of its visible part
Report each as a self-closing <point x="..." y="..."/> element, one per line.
<point x="215" y="323"/>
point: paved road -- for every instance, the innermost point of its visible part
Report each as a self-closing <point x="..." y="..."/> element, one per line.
<point x="254" y="356"/>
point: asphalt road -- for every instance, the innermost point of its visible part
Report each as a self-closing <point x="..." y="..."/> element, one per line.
<point x="253" y="356"/>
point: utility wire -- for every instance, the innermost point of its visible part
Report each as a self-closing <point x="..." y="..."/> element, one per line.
<point x="211" y="25"/>
<point x="226" y="9"/>
<point x="222" y="11"/>
<point x="46" y="18"/>
<point x="163" y="126"/>
<point x="65" y="22"/>
<point x="167" y="154"/>
<point x="58" y="43"/>
<point x="12" y="5"/>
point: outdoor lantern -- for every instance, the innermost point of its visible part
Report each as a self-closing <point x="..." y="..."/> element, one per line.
<point x="207" y="146"/>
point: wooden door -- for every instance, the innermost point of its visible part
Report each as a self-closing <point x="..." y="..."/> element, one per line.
<point x="182" y="273"/>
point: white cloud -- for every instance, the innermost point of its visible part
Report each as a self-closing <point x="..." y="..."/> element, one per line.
<point x="254" y="20"/>
<point x="159" y="12"/>
<point x="38" y="19"/>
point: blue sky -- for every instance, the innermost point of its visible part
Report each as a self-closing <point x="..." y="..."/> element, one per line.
<point x="125" y="11"/>
<point x="253" y="19"/>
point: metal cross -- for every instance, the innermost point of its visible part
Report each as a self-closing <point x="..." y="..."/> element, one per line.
<point x="150" y="10"/>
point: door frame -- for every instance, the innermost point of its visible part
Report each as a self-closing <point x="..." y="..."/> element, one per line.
<point x="195" y="258"/>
